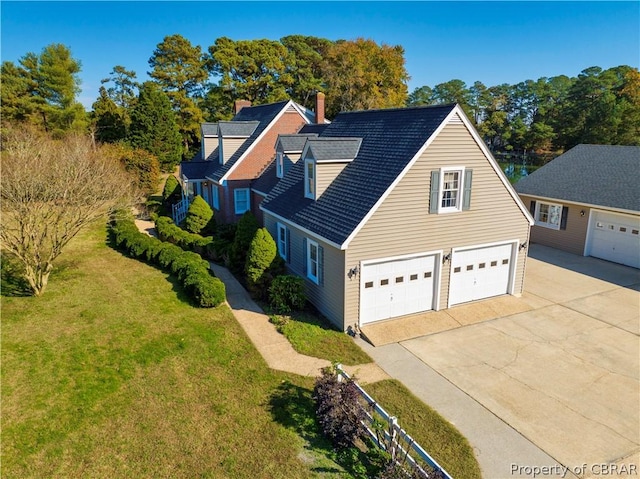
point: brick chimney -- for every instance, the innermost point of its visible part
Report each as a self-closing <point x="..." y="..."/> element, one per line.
<point x="320" y="107"/>
<point x="239" y="105"/>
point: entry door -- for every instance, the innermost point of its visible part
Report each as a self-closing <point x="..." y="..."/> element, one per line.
<point x="615" y="238"/>
<point x="396" y="288"/>
<point x="479" y="273"/>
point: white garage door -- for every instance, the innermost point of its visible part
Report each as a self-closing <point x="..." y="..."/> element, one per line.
<point x="396" y="288"/>
<point x="615" y="238"/>
<point x="481" y="272"/>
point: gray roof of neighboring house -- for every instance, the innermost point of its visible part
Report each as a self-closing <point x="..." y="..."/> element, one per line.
<point x="390" y="140"/>
<point x="294" y="143"/>
<point x="209" y="129"/>
<point x="603" y="175"/>
<point x="326" y="149"/>
<point x="263" y="114"/>
<point x="241" y="129"/>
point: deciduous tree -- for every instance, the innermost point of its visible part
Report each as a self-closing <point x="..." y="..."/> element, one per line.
<point x="51" y="190"/>
<point x="362" y="75"/>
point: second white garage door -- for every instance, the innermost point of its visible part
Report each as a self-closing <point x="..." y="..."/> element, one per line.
<point x="615" y="238"/>
<point x="392" y="288"/>
<point x="480" y="272"/>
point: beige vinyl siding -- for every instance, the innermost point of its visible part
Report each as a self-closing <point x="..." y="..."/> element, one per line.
<point x="328" y="297"/>
<point x="325" y="174"/>
<point x="571" y="239"/>
<point x="230" y="146"/>
<point x="402" y="224"/>
<point x="208" y="145"/>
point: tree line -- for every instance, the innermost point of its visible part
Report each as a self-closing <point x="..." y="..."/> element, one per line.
<point x="190" y="85"/>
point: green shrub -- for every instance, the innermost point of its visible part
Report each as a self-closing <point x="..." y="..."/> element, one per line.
<point x="287" y="294"/>
<point x="172" y="190"/>
<point x="261" y="254"/>
<point x="188" y="263"/>
<point x="198" y="215"/>
<point x="245" y="231"/>
<point x="207" y="290"/>
<point x="168" y="255"/>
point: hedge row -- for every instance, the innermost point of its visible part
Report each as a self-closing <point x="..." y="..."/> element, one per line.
<point x="194" y="273"/>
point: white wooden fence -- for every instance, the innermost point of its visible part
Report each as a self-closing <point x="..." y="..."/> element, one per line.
<point x="179" y="210"/>
<point x="408" y="448"/>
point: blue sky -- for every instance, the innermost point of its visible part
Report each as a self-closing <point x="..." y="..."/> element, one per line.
<point x="493" y="42"/>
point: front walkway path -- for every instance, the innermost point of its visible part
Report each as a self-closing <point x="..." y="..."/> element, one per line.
<point x="273" y="346"/>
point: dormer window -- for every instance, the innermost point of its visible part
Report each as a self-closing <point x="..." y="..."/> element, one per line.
<point x="310" y="179"/>
<point x="279" y="165"/>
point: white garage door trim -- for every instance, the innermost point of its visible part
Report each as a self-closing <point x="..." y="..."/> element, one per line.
<point x="482" y="264"/>
<point x="400" y="279"/>
<point x="618" y="228"/>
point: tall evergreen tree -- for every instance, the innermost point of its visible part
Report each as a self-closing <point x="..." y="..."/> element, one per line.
<point x="153" y="127"/>
<point x="179" y="68"/>
<point x="108" y="119"/>
<point x="44" y="89"/>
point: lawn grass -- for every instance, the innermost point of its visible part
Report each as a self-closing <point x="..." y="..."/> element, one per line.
<point x="313" y="336"/>
<point x="112" y="373"/>
<point x="435" y="434"/>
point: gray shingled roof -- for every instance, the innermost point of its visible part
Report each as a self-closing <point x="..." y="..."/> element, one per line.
<point x="316" y="128"/>
<point x="267" y="180"/>
<point x="263" y="114"/>
<point x="294" y="143"/>
<point x="196" y="170"/>
<point x="327" y="149"/>
<point x="241" y="129"/>
<point x="390" y="139"/>
<point x="603" y="175"/>
<point x="210" y="129"/>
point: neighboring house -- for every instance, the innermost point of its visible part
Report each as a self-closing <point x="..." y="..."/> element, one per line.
<point x="587" y="202"/>
<point x="394" y="212"/>
<point x="234" y="153"/>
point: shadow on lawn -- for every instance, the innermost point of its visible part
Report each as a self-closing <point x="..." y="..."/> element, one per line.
<point x="294" y="408"/>
<point x="12" y="282"/>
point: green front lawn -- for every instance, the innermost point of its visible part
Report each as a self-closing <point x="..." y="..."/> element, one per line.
<point x="112" y="373"/>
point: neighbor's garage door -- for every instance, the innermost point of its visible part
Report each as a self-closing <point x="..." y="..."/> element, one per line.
<point x="615" y="238"/>
<point x="396" y="288"/>
<point x="480" y="272"/>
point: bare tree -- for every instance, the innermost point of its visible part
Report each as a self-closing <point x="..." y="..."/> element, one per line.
<point x="50" y="190"/>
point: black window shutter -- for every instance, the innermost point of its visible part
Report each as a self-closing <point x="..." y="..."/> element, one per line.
<point x="466" y="197"/>
<point x="434" y="195"/>
<point x="305" y="256"/>
<point x="532" y="208"/>
<point x="563" y="218"/>
<point x="320" y="265"/>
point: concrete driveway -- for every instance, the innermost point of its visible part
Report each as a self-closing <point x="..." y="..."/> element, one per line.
<point x="563" y="371"/>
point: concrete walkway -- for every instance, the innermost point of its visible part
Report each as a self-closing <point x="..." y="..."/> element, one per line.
<point x="273" y="346"/>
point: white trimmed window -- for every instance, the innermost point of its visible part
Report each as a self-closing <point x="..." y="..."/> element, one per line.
<point x="241" y="200"/>
<point x="548" y="215"/>
<point x="310" y="179"/>
<point x="279" y="165"/>
<point x="313" y="261"/>
<point x="216" y="197"/>
<point x="451" y="190"/>
<point x="283" y="242"/>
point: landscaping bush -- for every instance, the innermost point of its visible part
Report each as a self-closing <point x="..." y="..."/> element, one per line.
<point x="172" y="190"/>
<point x="168" y="231"/>
<point x="245" y="231"/>
<point x="338" y="410"/>
<point x="189" y="267"/>
<point x="198" y="215"/>
<point x="287" y="294"/>
<point x="261" y="254"/>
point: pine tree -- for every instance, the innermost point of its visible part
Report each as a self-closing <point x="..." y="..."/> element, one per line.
<point x="153" y="127"/>
<point x="108" y="119"/>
